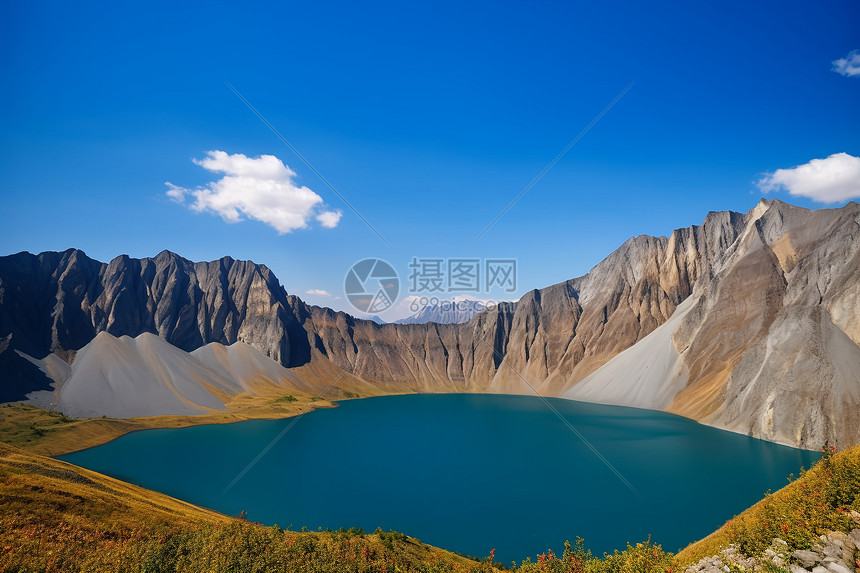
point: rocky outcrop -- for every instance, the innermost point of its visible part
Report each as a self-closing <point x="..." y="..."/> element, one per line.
<point x="837" y="552"/>
<point x="18" y="376"/>
<point x="767" y="342"/>
<point x="772" y="344"/>
<point x="58" y="302"/>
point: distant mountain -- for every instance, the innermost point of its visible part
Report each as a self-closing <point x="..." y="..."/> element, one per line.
<point x="456" y="311"/>
<point x="749" y="322"/>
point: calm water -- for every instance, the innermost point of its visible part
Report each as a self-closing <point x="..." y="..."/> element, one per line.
<point x="465" y="472"/>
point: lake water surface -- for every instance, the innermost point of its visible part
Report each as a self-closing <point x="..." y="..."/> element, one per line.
<point x="467" y="472"/>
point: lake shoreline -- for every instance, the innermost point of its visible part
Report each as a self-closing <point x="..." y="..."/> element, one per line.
<point x="496" y="458"/>
<point x="75" y="434"/>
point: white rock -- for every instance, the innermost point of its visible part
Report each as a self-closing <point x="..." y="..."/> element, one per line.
<point x="838" y="568"/>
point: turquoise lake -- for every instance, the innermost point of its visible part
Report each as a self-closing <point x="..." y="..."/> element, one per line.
<point x="466" y="472"/>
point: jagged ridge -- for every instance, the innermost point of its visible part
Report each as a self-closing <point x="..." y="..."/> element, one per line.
<point x="776" y="276"/>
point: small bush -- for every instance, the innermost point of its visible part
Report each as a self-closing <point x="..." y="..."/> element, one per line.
<point x="644" y="557"/>
<point x="819" y="500"/>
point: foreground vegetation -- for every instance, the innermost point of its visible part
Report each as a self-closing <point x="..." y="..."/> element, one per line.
<point x="640" y="558"/>
<point x="820" y="500"/>
<point x="58" y="517"/>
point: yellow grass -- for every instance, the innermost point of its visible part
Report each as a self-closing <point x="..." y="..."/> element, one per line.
<point x="52" y="434"/>
<point x="820" y="500"/>
<point x="55" y="516"/>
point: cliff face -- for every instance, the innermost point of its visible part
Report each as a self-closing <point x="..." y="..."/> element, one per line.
<point x="772" y="320"/>
<point x="767" y="343"/>
<point x="551" y="338"/>
<point x="58" y="302"/>
<point x="773" y="343"/>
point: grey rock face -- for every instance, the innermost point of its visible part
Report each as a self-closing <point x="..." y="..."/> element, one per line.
<point x="551" y="338"/>
<point x="806" y="558"/>
<point x="547" y="341"/>
<point x="774" y="347"/>
<point x="58" y="302"/>
<point x="19" y="376"/>
<point x="835" y="554"/>
<point x="770" y="344"/>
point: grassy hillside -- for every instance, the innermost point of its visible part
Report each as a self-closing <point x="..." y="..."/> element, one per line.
<point x="53" y="434"/>
<point x="58" y="517"/>
<point x="55" y="516"/>
<point x="821" y="499"/>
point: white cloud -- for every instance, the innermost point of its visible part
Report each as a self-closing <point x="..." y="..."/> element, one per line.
<point x="260" y="188"/>
<point x="329" y="219"/>
<point x="849" y="65"/>
<point x="830" y="180"/>
<point x="176" y="194"/>
<point x="319" y="292"/>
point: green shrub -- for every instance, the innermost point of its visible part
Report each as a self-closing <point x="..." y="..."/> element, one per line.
<point x="817" y="501"/>
<point x="644" y="557"/>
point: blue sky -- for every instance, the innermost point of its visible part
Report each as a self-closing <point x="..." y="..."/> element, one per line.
<point x="429" y="118"/>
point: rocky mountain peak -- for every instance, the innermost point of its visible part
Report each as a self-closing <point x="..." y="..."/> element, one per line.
<point x="767" y="295"/>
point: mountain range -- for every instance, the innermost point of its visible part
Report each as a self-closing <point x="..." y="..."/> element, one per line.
<point x="458" y="310"/>
<point x="748" y="322"/>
